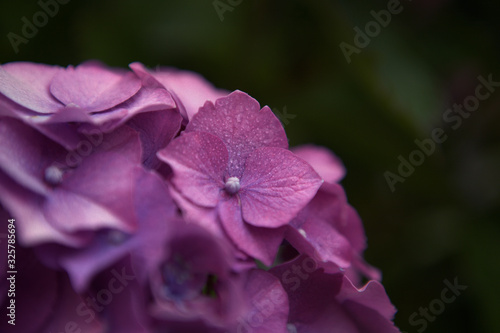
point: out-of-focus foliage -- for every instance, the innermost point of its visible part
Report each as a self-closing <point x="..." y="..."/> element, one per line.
<point x="442" y="222"/>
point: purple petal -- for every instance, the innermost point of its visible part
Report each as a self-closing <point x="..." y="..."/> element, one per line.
<point x="259" y="243"/>
<point x="149" y="98"/>
<point x="28" y="85"/>
<point x="369" y="306"/>
<point x="156" y="130"/>
<point x="126" y="312"/>
<point x="191" y="255"/>
<point x="269" y="305"/>
<point x="243" y="127"/>
<point x="310" y="291"/>
<point x="319" y="229"/>
<point x="71" y="212"/>
<point x="91" y="196"/>
<point x="205" y="217"/>
<point x="27" y="207"/>
<point x="190" y="89"/>
<point x="275" y="186"/>
<point x="25" y="154"/>
<point x="199" y="161"/>
<point x="155" y="213"/>
<point x="324" y="162"/>
<point x="325" y="303"/>
<point x="321" y="241"/>
<point x="66" y="314"/>
<point x="329" y="230"/>
<point x="94" y="87"/>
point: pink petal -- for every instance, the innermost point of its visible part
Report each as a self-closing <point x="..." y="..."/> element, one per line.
<point x="149" y="98"/>
<point x="324" y="162"/>
<point x="372" y="295"/>
<point x="268" y="312"/>
<point x="32" y="226"/>
<point x="243" y="127"/>
<point x="321" y="241"/>
<point x="25" y="153"/>
<point x="155" y="213"/>
<point x="156" y="130"/>
<point x="259" y="243"/>
<point x="190" y="89"/>
<point x="66" y="314"/>
<point x="199" y="161"/>
<point x="94" y="87"/>
<point x="275" y="186"/>
<point x="28" y="85"/>
<point x="93" y="196"/>
<point x="70" y="212"/>
<point x="205" y="217"/>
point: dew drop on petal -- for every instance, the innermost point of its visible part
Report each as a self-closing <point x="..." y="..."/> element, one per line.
<point x="303" y="233"/>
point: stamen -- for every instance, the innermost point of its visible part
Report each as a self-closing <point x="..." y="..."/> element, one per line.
<point x="116" y="237"/>
<point x="53" y="175"/>
<point x="232" y="185"/>
<point x="291" y="328"/>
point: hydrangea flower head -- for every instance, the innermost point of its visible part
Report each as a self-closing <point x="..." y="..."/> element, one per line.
<point x="144" y="200"/>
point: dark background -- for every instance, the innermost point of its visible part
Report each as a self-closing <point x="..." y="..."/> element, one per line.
<point x="442" y="222"/>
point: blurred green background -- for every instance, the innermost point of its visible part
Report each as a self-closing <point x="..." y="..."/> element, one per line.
<point x="442" y="221"/>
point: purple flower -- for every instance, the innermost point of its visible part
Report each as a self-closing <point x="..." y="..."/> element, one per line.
<point x="55" y="202"/>
<point x="232" y="157"/>
<point x="155" y="216"/>
<point x="330" y="303"/>
<point x="194" y="281"/>
<point x="328" y="229"/>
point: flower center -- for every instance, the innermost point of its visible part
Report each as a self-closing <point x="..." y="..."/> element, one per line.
<point x="232" y="185"/>
<point x="116" y="237"/>
<point x="180" y="282"/>
<point x="53" y="175"/>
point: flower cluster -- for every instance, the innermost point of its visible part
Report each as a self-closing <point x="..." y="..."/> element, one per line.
<point x="150" y="201"/>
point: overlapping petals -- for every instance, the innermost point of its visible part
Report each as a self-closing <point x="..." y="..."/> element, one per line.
<point x="268" y="184"/>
